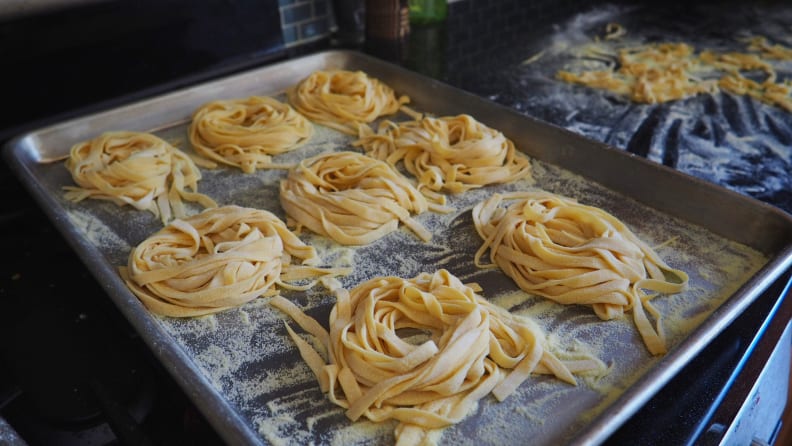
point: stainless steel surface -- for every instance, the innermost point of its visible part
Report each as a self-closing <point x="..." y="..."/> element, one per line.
<point x="12" y="9"/>
<point x="243" y="372"/>
<point x="8" y="436"/>
<point x="760" y="414"/>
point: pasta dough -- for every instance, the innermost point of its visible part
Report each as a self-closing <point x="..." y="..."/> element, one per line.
<point x="246" y="132"/>
<point x="575" y="254"/>
<point x="343" y="100"/>
<point x="423" y="351"/>
<point x="352" y="198"/>
<point x="136" y="169"/>
<point x="218" y="259"/>
<point x="453" y="153"/>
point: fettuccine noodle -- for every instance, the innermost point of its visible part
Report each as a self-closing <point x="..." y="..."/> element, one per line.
<point x="423" y="351"/>
<point x="352" y="198"/>
<point x="219" y="259"/>
<point x="136" y="169"/>
<point x="246" y="132"/>
<point x="343" y="100"/>
<point x="575" y="254"/>
<point x="453" y="153"/>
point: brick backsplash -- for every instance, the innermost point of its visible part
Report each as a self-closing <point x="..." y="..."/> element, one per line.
<point x="305" y="20"/>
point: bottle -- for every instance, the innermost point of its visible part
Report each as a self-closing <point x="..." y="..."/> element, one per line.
<point x="387" y="29"/>
<point x="387" y="19"/>
<point x="423" y="12"/>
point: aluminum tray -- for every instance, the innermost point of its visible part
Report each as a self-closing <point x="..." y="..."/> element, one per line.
<point x="243" y="372"/>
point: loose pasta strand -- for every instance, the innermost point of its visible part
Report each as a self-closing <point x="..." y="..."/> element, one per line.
<point x="664" y="72"/>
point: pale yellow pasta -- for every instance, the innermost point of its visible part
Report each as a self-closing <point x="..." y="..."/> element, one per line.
<point x="136" y="169"/>
<point x="218" y="259"/>
<point x="452" y="153"/>
<point x="554" y="247"/>
<point x="649" y="74"/>
<point x="423" y="351"/>
<point x="734" y="64"/>
<point x="247" y="132"/>
<point x="352" y="198"/>
<point x="664" y="72"/>
<point x="343" y="100"/>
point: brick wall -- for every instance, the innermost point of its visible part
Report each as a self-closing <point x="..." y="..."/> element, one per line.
<point x="305" y="20"/>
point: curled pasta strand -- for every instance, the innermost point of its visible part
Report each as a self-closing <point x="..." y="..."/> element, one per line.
<point x="215" y="260"/>
<point x="136" y="169"/>
<point x="344" y="100"/>
<point x="575" y="254"/>
<point x="423" y="351"/>
<point x="246" y="132"/>
<point x="352" y="198"/>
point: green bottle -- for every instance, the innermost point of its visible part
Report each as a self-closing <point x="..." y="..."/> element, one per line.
<point x="423" y="12"/>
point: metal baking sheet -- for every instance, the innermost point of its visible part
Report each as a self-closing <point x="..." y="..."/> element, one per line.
<point x="244" y="373"/>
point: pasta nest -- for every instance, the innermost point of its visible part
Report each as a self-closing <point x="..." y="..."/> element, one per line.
<point x="423" y="351"/>
<point x="453" y="153"/>
<point x="216" y="260"/>
<point x="136" y="169"/>
<point x="554" y="247"/>
<point x="352" y="198"/>
<point x="342" y="100"/>
<point x="245" y="132"/>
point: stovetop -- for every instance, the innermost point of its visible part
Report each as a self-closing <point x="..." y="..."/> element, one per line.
<point x="72" y="370"/>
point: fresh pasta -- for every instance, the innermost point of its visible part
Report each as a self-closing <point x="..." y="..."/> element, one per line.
<point x="343" y="100"/>
<point x="423" y="351"/>
<point x="219" y="259"/>
<point x="649" y="74"/>
<point x="137" y="169"/>
<point x="452" y="153"/>
<point x="661" y="72"/>
<point x="247" y="132"/>
<point x="352" y="198"/>
<point x="571" y="253"/>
